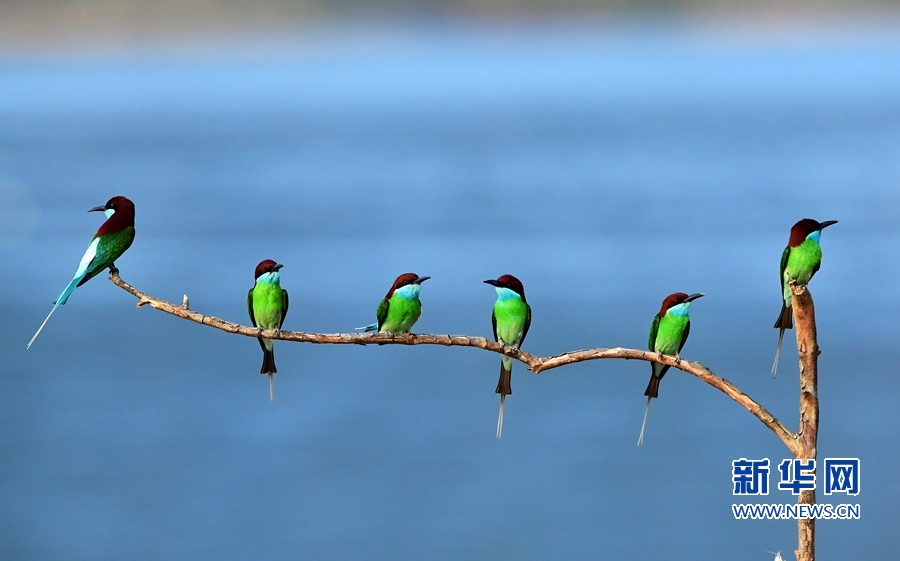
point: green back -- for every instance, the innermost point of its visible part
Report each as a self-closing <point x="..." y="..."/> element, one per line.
<point x="110" y="248"/>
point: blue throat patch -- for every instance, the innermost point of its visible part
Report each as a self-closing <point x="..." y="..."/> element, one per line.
<point x="504" y="294"/>
<point x="273" y="277"/>
<point x="815" y="236"/>
<point x="681" y="310"/>
<point x="410" y="291"/>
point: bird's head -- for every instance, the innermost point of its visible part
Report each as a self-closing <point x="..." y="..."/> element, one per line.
<point x="408" y="283"/>
<point x="267" y="269"/>
<point x="507" y="283"/>
<point x="116" y="204"/>
<point x="807" y="228"/>
<point x="678" y="303"/>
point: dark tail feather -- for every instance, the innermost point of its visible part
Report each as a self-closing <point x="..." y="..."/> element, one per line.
<point x="504" y="386"/>
<point x="268" y="365"/>
<point x="785" y="318"/>
<point x="653" y="387"/>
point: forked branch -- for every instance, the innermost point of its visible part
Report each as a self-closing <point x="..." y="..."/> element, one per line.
<point x="536" y="364"/>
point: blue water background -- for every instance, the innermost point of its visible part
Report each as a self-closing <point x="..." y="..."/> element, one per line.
<point x="604" y="167"/>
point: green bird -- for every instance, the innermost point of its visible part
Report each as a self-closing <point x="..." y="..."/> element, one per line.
<point x="799" y="262"/>
<point x="510" y="319"/>
<point x="400" y="309"/>
<point x="668" y="333"/>
<point x="267" y="304"/>
<point x="107" y="245"/>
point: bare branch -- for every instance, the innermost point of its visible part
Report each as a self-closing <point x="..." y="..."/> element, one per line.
<point x="807" y="434"/>
<point x="535" y="363"/>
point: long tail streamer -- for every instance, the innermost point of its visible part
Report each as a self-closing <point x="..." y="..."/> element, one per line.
<point x="41" y="328"/>
<point x="644" y="424"/>
<point x="500" y="418"/>
<point x="777" y="353"/>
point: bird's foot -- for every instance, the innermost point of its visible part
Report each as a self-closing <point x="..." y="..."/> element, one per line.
<point x="659" y="355"/>
<point x="113" y="271"/>
<point x="677" y="359"/>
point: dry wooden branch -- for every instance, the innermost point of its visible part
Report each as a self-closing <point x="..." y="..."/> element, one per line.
<point x="807" y="434"/>
<point x="535" y="363"/>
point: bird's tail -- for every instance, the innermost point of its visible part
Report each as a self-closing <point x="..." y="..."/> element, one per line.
<point x="268" y="367"/>
<point x="785" y="321"/>
<point x="60" y="300"/>
<point x="41" y="328"/>
<point x="500" y="417"/>
<point x="777" y="353"/>
<point x="504" y="388"/>
<point x="785" y="318"/>
<point x="644" y="424"/>
<point x="64" y="295"/>
<point x="368" y="328"/>
<point x="653" y="387"/>
<point x="271" y="388"/>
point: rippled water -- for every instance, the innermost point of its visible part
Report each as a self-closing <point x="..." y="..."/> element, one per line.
<point x="604" y="170"/>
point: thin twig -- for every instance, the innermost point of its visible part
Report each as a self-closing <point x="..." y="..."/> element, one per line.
<point x="536" y="364"/>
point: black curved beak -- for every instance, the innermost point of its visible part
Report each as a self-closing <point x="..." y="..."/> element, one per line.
<point x="420" y="280"/>
<point x="827" y="223"/>
<point x="492" y="282"/>
<point x="277" y="267"/>
<point x="693" y="297"/>
<point x="98" y="209"/>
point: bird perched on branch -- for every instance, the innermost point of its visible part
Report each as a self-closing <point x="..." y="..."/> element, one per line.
<point x="267" y="304"/>
<point x="668" y="333"/>
<point x="108" y="244"/>
<point x="511" y="319"/>
<point x="799" y="262"/>
<point x="400" y="309"/>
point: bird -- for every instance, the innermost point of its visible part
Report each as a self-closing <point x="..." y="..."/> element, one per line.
<point x="799" y="263"/>
<point x="400" y="309"/>
<point x="668" y="333"/>
<point x="267" y="304"/>
<point x="510" y="319"/>
<point x="108" y="244"/>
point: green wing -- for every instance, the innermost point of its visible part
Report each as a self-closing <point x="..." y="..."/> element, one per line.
<point x="250" y="307"/>
<point x="494" y="325"/>
<point x="527" y="323"/>
<point x="784" y="262"/>
<point x="654" y="329"/>
<point x="110" y="248"/>
<point x="253" y="317"/>
<point x="687" y="331"/>
<point x="284" y="306"/>
<point x="381" y="313"/>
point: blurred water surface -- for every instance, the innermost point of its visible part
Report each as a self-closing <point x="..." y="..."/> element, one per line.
<point x="605" y="169"/>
